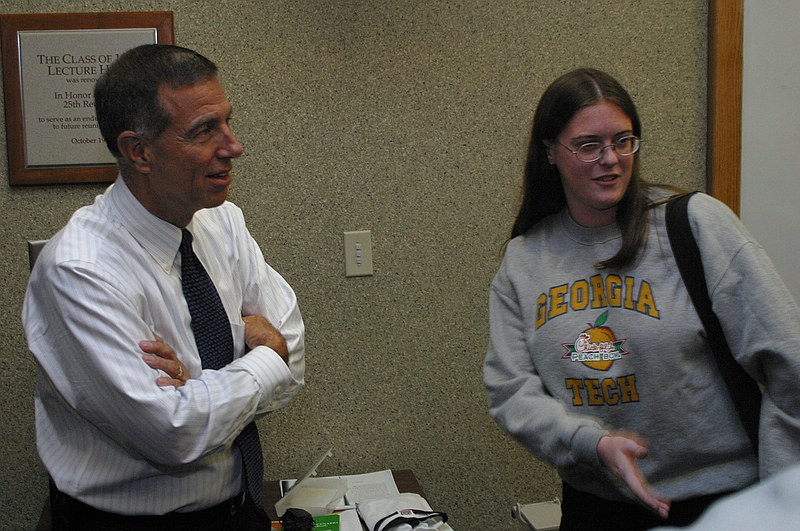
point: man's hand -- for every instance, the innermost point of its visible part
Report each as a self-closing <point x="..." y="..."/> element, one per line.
<point x="619" y="451"/>
<point x="259" y="332"/>
<point x="161" y="356"/>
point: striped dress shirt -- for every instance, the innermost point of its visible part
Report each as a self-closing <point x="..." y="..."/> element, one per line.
<point x="106" y="433"/>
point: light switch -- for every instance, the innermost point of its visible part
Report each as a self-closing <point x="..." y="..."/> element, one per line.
<point x="358" y="253"/>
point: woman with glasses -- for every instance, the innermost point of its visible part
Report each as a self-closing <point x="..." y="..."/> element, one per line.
<point x="597" y="361"/>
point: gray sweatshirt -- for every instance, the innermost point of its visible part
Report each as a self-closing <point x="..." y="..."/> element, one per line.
<point x="575" y="352"/>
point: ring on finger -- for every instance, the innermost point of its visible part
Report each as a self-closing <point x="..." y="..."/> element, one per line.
<point x="179" y="376"/>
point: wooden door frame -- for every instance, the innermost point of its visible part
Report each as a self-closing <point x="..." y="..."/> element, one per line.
<point x="725" y="58"/>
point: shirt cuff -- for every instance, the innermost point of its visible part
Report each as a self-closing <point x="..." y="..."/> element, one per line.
<point x="271" y="375"/>
<point x="585" y="446"/>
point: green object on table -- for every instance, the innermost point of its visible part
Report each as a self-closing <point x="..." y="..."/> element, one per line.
<point x="328" y="522"/>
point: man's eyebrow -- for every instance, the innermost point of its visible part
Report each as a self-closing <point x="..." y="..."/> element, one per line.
<point x="203" y="123"/>
<point x="209" y="120"/>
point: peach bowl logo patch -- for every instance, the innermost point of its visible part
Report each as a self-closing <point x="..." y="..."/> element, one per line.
<point x="597" y="347"/>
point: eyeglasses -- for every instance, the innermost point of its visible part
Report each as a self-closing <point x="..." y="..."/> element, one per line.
<point x="593" y="151"/>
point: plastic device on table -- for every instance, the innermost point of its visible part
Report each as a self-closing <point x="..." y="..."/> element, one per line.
<point x="318" y="496"/>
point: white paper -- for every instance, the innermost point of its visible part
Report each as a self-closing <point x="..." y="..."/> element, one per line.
<point x="349" y="521"/>
<point x="361" y="487"/>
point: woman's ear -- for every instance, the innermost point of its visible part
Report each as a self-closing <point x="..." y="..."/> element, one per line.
<point x="548" y="148"/>
<point x="134" y="148"/>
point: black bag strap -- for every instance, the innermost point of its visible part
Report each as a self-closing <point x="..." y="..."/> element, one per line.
<point x="743" y="389"/>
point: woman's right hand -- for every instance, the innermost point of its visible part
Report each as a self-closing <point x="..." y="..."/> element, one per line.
<point x="619" y="451"/>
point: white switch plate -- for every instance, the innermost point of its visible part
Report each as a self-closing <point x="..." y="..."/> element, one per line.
<point x="357" y="253"/>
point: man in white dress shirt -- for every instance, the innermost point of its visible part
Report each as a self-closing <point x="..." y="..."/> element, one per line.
<point x="134" y="432"/>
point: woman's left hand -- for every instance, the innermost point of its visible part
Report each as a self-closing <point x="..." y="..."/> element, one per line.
<point x="619" y="451"/>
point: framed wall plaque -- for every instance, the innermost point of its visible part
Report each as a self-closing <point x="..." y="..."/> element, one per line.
<point x="50" y="65"/>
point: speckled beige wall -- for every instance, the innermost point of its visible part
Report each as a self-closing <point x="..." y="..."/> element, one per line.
<point x="409" y="119"/>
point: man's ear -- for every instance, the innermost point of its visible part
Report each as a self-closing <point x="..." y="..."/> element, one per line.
<point x="135" y="149"/>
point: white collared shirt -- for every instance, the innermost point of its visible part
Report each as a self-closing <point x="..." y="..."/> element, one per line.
<point x="107" y="434"/>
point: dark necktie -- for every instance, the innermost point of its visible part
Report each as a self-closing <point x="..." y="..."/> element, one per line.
<point x="212" y="333"/>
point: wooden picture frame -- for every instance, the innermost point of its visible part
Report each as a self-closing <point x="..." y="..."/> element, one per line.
<point x="50" y="63"/>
